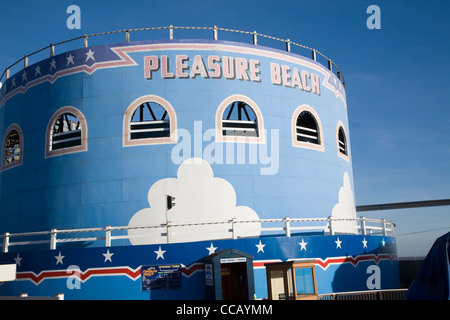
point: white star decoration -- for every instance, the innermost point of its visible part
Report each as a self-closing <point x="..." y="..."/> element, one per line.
<point x="364" y="243"/>
<point x="52" y="64"/>
<point x="18" y="259"/>
<point x="108" y="256"/>
<point x="37" y="70"/>
<point x="70" y="60"/>
<point x="303" y="245"/>
<point x="338" y="243"/>
<point x="260" y="246"/>
<point x="159" y="253"/>
<point x="90" y="55"/>
<point x="24" y="76"/>
<point x="59" y="258"/>
<point x="211" y="249"/>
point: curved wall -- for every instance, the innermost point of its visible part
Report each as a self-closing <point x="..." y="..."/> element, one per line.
<point x="112" y="179"/>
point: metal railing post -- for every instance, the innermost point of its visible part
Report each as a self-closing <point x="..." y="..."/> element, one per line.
<point x="108" y="236"/>
<point x="288" y="45"/>
<point x="383" y="227"/>
<point x="52" y="50"/>
<point x="5" y="242"/>
<point x="215" y="32"/>
<point x="53" y="239"/>
<point x="85" y="41"/>
<point x="330" y="224"/>
<point x="25" y="62"/>
<point x="392" y="228"/>
<point x="8" y="72"/>
<point x="363" y="225"/>
<point x="330" y="65"/>
<point x="169" y="232"/>
<point x="314" y="55"/>
<point x="171" y="32"/>
<point x="233" y="228"/>
<point x="127" y="36"/>
<point x="287" y="226"/>
<point x="255" y="38"/>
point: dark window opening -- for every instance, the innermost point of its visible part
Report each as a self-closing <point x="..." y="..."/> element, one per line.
<point x="149" y="120"/>
<point x="307" y="128"/>
<point x="13" y="149"/>
<point x="342" y="141"/>
<point x="66" y="132"/>
<point x="239" y="119"/>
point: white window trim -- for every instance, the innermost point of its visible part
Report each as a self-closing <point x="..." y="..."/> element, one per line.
<point x="172" y="138"/>
<point x="302" y="144"/>
<point x="259" y="120"/>
<point x="48" y="136"/>
<point x="16" y="163"/>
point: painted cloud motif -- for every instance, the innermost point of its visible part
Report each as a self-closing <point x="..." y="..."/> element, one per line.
<point x="200" y="198"/>
<point x="345" y="209"/>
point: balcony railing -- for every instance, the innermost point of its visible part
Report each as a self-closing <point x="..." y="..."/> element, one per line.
<point x="254" y="35"/>
<point x="287" y="225"/>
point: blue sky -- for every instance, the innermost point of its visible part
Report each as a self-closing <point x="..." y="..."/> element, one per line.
<point x="396" y="80"/>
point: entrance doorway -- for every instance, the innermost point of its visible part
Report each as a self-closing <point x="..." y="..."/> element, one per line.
<point x="229" y="275"/>
<point x="234" y="281"/>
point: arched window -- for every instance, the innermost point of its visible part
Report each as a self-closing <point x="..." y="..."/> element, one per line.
<point x="66" y="132"/>
<point x="342" y="146"/>
<point x="307" y="129"/>
<point x="149" y="120"/>
<point x="12" y="147"/>
<point x="238" y="119"/>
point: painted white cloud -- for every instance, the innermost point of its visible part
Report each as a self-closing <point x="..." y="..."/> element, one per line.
<point x="200" y="198"/>
<point x="345" y="209"/>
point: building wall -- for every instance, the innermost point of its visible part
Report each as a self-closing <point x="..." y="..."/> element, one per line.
<point x="114" y="182"/>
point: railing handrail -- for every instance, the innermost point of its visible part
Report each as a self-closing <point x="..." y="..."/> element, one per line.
<point x="386" y="227"/>
<point x="254" y="34"/>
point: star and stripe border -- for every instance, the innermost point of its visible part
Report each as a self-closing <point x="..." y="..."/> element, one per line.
<point x="64" y="64"/>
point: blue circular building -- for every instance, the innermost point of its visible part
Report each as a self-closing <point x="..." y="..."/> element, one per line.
<point x="158" y="169"/>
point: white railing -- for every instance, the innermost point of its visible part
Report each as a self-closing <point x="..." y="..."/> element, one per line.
<point x="364" y="226"/>
<point x="215" y="29"/>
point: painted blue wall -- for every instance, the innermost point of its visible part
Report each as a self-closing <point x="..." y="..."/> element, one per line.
<point x="108" y="183"/>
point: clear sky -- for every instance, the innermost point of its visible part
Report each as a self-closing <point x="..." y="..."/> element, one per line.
<point x="397" y="79"/>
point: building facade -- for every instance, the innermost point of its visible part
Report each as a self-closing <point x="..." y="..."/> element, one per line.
<point x="209" y="144"/>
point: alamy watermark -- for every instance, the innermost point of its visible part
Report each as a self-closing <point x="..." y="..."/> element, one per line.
<point x="202" y="144"/>
<point x="374" y="20"/>
<point x="74" y="20"/>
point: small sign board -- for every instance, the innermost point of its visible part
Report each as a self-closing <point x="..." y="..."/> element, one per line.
<point x="209" y="278"/>
<point x="233" y="260"/>
<point x="7" y="272"/>
<point x="161" y="277"/>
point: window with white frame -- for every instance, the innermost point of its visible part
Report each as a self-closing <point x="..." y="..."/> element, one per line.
<point x="149" y="120"/>
<point x="307" y="129"/>
<point x="238" y="119"/>
<point x="12" y="147"/>
<point x="66" y="132"/>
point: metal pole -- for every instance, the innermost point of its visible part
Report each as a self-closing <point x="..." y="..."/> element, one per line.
<point x="108" y="236"/>
<point x="5" y="242"/>
<point x="171" y="32"/>
<point x="53" y="239"/>
<point x="215" y="32"/>
<point x="287" y="227"/>
<point x="330" y="224"/>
